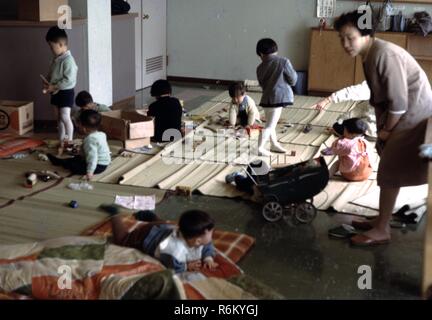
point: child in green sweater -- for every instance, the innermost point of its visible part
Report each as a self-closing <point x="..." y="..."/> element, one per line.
<point x="84" y="101"/>
<point x="61" y="81"/>
<point x="95" y="153"/>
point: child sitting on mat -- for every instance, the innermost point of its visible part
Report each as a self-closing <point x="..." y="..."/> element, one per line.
<point x="186" y="247"/>
<point x="95" y="151"/>
<point x="243" y="110"/>
<point x="351" y="147"/>
<point x="166" y="110"/>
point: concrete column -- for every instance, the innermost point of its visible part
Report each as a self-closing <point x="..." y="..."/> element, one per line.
<point x="100" y="50"/>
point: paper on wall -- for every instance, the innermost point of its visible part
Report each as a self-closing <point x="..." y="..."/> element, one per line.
<point x="326" y="8"/>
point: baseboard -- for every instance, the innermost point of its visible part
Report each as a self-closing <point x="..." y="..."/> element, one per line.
<point x="217" y="82"/>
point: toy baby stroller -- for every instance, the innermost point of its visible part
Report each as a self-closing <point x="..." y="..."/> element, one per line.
<point x="290" y="190"/>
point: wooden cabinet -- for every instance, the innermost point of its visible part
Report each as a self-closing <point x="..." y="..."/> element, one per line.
<point x="329" y="66"/>
<point x="331" y="69"/>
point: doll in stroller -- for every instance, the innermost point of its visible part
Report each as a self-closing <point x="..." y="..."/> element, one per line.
<point x="284" y="191"/>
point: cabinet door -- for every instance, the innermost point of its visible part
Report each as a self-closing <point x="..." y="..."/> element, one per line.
<point x="330" y="68"/>
<point x="153" y="41"/>
<point x="421" y="49"/>
<point x="137" y="8"/>
<point x="396" y="38"/>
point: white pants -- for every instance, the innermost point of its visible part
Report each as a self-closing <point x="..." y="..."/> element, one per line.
<point x="272" y="116"/>
<point x="65" y="125"/>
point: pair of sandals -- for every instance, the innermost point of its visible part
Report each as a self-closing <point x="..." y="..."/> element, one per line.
<point x="346" y="231"/>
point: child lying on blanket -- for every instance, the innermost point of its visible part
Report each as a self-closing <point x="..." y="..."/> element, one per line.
<point x="186" y="247"/>
<point x="353" y="164"/>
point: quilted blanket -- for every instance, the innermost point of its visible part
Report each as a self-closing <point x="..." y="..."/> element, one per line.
<point x="89" y="268"/>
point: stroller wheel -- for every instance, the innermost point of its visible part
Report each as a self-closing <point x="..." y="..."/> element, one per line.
<point x="305" y="212"/>
<point x="272" y="211"/>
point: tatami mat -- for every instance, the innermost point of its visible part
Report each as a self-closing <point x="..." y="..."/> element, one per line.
<point x="47" y="214"/>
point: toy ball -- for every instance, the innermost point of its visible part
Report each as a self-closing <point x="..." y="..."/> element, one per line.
<point x="73" y="204"/>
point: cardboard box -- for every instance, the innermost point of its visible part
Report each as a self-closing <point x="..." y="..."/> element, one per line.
<point x="16" y="116"/>
<point x="136" y="143"/>
<point x="39" y="10"/>
<point x="127" y="125"/>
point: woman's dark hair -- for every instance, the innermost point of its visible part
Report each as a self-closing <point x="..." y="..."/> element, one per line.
<point x="56" y="35"/>
<point x="160" y="87"/>
<point x="352" y="18"/>
<point x="266" y="46"/>
<point x="355" y="126"/>
<point x="83" y="98"/>
<point x="195" y="223"/>
<point x="236" y="90"/>
<point x="90" y="119"/>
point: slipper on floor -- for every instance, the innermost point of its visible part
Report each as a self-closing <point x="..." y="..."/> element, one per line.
<point x="361" y="240"/>
<point x="401" y="212"/>
<point x="343" y="231"/>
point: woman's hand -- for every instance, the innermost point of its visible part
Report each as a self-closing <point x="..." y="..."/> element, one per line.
<point x="321" y="104"/>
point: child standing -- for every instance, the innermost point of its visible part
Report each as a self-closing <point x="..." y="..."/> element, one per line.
<point x="275" y="75"/>
<point x="84" y="101"/>
<point x="243" y="109"/>
<point x="353" y="164"/>
<point x="95" y="153"/>
<point x="186" y="247"/>
<point x="61" y="82"/>
<point x="166" y="110"/>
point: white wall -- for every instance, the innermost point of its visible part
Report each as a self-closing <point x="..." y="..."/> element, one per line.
<point x="216" y="39"/>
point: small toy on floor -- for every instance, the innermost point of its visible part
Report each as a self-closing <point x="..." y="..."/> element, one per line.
<point x="44" y="175"/>
<point x="183" y="191"/>
<point x="127" y="154"/>
<point x="73" y="204"/>
<point x="80" y="186"/>
<point x="307" y="128"/>
<point x="68" y="148"/>
<point x="43" y="157"/>
<point x="31" y="180"/>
